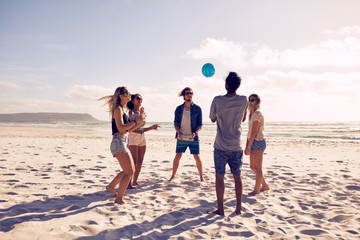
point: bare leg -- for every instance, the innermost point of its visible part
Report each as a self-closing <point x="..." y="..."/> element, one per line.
<point x="127" y="165"/>
<point x="252" y="164"/>
<point x="175" y="165"/>
<point x="138" y="163"/>
<point x="220" y="189"/>
<point x="114" y="182"/>
<point x="238" y="192"/>
<point x="199" y="166"/>
<point x="134" y="153"/>
<point x="257" y="157"/>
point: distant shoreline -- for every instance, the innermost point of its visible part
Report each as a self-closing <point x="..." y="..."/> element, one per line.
<point x="46" y="117"/>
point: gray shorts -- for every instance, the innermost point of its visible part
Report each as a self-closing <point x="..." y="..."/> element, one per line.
<point x="119" y="144"/>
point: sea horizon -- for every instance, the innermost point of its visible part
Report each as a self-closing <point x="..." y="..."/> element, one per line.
<point x="319" y="130"/>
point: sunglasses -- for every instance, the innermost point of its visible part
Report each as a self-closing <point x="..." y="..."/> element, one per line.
<point x="138" y="98"/>
<point x="189" y="93"/>
<point x="252" y="100"/>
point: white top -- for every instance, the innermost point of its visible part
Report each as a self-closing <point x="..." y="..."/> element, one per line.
<point x="185" y="127"/>
<point x="228" y="112"/>
<point x="257" y="116"/>
<point x="133" y="116"/>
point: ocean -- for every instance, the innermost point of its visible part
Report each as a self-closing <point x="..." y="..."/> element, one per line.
<point x="336" y="131"/>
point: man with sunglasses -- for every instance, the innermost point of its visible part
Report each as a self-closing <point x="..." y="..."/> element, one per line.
<point x="187" y="123"/>
<point x="228" y="112"/>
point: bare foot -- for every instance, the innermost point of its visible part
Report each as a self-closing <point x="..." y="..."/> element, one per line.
<point x="119" y="201"/>
<point x="238" y="211"/>
<point x="135" y="184"/>
<point x="202" y="179"/>
<point x="111" y="190"/>
<point x="172" y="177"/>
<point x="263" y="189"/>
<point x="218" y="212"/>
<point x="253" y="193"/>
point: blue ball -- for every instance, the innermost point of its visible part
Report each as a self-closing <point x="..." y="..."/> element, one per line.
<point x="208" y="70"/>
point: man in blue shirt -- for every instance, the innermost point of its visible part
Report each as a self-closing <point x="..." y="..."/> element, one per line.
<point x="228" y="112"/>
<point x="187" y="123"/>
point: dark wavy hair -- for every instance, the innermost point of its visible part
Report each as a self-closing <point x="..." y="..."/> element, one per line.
<point x="233" y="81"/>
<point x="182" y="93"/>
<point x="130" y="105"/>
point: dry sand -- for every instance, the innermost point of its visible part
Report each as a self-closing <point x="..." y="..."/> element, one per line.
<point x="53" y="187"/>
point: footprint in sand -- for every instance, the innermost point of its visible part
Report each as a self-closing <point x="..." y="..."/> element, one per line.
<point x="353" y="187"/>
<point x="13" y="180"/>
<point x="313" y="232"/>
<point x="91" y="223"/>
<point x="9" y="174"/>
<point x="352" y="232"/>
<point x="87" y="181"/>
<point x="340" y="218"/>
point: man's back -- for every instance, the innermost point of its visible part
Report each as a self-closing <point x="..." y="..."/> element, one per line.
<point x="228" y="112"/>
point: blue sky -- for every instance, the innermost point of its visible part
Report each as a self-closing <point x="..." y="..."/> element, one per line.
<point x="302" y="57"/>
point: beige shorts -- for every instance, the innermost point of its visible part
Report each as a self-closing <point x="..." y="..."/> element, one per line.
<point x="137" y="139"/>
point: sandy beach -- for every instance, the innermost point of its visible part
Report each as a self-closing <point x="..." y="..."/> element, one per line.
<point x="53" y="187"/>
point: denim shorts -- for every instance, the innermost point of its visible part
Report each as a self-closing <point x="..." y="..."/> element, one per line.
<point x="234" y="159"/>
<point x="258" y="145"/>
<point x="181" y="146"/>
<point x="119" y="144"/>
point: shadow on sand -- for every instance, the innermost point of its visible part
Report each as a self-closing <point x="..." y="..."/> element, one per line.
<point x="51" y="208"/>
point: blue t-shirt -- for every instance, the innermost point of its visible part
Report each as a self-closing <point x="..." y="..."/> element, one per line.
<point x="228" y="112"/>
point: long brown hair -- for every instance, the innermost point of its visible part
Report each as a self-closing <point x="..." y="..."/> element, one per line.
<point x="114" y="101"/>
<point x="256" y="106"/>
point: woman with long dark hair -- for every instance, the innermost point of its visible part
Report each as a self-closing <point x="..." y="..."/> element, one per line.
<point x="137" y="142"/>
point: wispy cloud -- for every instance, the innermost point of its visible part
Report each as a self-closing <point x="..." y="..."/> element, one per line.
<point x="229" y="53"/>
<point x="330" y="53"/>
<point x="88" y="92"/>
<point x="346" y="30"/>
<point x="327" y="84"/>
<point x="17" y="86"/>
<point x="10" y="85"/>
<point x="344" y="52"/>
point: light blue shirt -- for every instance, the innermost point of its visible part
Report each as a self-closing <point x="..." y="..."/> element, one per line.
<point x="228" y="113"/>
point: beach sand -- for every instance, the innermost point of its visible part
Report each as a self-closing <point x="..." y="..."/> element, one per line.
<point x="53" y="187"/>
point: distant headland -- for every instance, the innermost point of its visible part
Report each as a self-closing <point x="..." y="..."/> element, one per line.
<point x="47" y="117"/>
